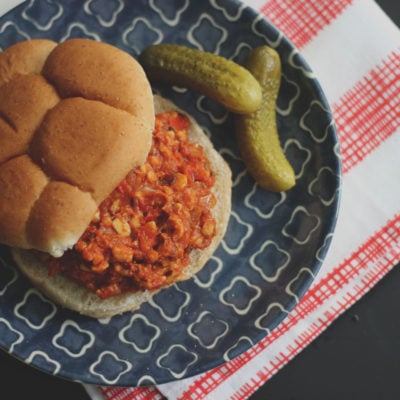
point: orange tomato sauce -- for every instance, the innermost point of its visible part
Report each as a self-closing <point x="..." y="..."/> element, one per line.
<point x="143" y="233"/>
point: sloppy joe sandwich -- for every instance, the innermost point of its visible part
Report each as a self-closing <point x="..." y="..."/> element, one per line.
<point x="107" y="193"/>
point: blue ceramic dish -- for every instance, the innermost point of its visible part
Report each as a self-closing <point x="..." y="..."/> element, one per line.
<point x="275" y="242"/>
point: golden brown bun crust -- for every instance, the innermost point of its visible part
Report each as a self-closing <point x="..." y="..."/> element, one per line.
<point x="72" y="214"/>
<point x="21" y="183"/>
<point x="83" y="112"/>
<point x="23" y="102"/>
<point x="24" y="58"/>
<point x="113" y="79"/>
<point x="95" y="160"/>
<point x="68" y="294"/>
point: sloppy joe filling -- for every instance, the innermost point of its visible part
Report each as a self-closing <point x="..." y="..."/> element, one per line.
<point x="143" y="233"/>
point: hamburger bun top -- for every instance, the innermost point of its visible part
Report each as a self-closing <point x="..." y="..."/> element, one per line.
<point x="75" y="118"/>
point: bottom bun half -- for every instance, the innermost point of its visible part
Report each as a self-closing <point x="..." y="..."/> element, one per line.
<point x="70" y="295"/>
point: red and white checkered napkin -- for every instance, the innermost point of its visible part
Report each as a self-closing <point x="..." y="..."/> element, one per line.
<point x="354" y="50"/>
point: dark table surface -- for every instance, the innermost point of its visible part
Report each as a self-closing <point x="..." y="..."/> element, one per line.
<point x="357" y="357"/>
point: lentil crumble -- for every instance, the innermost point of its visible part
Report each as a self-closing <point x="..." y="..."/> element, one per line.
<point x="143" y="233"/>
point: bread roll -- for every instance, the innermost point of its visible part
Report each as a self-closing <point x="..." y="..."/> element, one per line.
<point x="81" y="111"/>
<point x="72" y="296"/>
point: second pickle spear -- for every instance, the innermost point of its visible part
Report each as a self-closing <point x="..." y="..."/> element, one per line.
<point x="214" y="76"/>
<point x="257" y="133"/>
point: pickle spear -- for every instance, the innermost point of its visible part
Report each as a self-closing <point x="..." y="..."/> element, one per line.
<point x="257" y="134"/>
<point x="214" y="76"/>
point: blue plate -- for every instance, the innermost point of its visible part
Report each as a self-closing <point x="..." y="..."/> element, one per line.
<point x="275" y="242"/>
